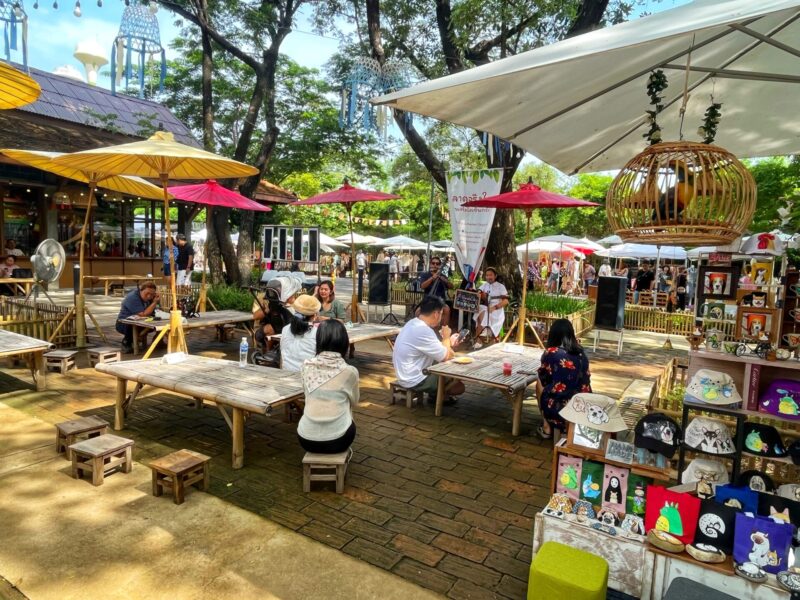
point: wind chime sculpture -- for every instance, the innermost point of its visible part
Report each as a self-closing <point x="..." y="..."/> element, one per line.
<point x="15" y="25"/>
<point x="139" y="35"/>
<point x="368" y="79"/>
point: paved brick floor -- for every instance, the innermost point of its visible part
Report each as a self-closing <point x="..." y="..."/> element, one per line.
<point x="445" y="502"/>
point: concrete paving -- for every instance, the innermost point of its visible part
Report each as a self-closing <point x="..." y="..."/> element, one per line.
<point x="64" y="539"/>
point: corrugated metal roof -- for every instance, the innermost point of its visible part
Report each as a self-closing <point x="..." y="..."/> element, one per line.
<point x="77" y="102"/>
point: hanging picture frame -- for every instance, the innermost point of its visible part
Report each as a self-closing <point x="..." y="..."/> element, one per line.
<point x="751" y="323"/>
<point x="761" y="273"/>
<point x="718" y="283"/>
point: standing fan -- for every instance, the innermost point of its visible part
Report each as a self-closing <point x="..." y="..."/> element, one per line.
<point x="48" y="263"/>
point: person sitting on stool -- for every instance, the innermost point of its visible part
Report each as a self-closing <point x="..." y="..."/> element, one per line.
<point x="331" y="392"/>
<point x="494" y="298"/>
<point x="141" y="302"/>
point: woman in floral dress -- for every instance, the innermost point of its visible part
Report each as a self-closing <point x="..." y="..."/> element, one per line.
<point x="564" y="372"/>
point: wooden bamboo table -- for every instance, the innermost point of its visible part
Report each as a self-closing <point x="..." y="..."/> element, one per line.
<point x="14" y="344"/>
<point x="107" y="280"/>
<point x="20" y="284"/>
<point x="363" y="332"/>
<point x="487" y="370"/>
<point x="245" y="390"/>
<point x="217" y="319"/>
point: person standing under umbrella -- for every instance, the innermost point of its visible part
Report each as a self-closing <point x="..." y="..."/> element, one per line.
<point x="361" y="264"/>
<point x="185" y="261"/>
<point x="681" y="288"/>
<point x="165" y="258"/>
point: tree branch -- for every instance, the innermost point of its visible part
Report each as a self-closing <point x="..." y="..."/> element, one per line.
<point x="479" y="53"/>
<point x="452" y="55"/>
<point x="590" y="15"/>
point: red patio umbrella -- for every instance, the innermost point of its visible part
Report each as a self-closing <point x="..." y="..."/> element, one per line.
<point x="211" y="193"/>
<point x="348" y="195"/>
<point x="527" y="197"/>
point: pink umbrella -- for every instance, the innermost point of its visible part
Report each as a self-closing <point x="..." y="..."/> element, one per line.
<point x="528" y="197"/>
<point x="212" y="193"/>
<point x="348" y="195"/>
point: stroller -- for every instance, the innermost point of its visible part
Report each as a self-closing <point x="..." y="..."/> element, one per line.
<point x="277" y="288"/>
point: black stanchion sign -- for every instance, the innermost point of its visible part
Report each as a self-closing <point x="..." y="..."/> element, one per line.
<point x="467" y="301"/>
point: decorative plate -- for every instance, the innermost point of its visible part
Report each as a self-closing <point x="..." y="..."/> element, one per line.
<point x="751" y="572"/>
<point x="789" y="581"/>
<point x="706" y="553"/>
<point x="665" y="541"/>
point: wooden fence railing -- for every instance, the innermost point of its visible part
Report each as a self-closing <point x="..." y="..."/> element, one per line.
<point x="38" y="320"/>
<point x="647" y="318"/>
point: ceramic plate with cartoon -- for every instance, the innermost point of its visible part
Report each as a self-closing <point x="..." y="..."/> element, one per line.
<point x="705" y="553"/>
<point x="750" y="571"/>
<point x="789" y="581"/>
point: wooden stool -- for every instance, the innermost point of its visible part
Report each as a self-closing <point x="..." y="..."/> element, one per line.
<point x="60" y="360"/>
<point x="404" y="395"/>
<point x="103" y="354"/>
<point x="99" y="454"/>
<point x="325" y="467"/>
<point x="178" y="471"/>
<point x="68" y="432"/>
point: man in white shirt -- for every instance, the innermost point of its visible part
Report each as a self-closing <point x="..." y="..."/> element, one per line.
<point x="494" y="298"/>
<point x="393" y="266"/>
<point x="361" y="265"/>
<point x="605" y="270"/>
<point x="417" y="347"/>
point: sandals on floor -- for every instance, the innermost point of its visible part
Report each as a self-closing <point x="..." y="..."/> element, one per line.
<point x="545" y="436"/>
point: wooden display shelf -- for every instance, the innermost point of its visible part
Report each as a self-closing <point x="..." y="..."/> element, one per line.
<point x="635" y="468"/>
<point x="725" y="567"/>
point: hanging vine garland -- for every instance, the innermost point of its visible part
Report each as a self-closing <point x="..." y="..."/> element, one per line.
<point x="656" y="84"/>
<point x="708" y="130"/>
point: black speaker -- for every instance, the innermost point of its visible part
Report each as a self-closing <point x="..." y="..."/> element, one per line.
<point x="378" y="283"/>
<point x="313" y="245"/>
<point x="269" y="251"/>
<point x="282" y="243"/>
<point x="610" y="313"/>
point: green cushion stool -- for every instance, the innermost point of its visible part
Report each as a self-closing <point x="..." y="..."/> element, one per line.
<point x="561" y="572"/>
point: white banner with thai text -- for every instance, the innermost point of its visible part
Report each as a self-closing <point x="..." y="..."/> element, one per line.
<point x="471" y="226"/>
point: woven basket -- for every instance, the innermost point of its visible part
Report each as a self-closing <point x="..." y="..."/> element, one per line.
<point x="682" y="193"/>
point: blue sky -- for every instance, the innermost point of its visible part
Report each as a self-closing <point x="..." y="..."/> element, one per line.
<point x="53" y="34"/>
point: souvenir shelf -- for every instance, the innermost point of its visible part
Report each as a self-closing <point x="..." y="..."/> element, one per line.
<point x="738" y="436"/>
<point x="791" y="303"/>
<point x="562" y="448"/>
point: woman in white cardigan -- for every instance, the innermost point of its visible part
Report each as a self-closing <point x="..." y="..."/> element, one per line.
<point x="331" y="390"/>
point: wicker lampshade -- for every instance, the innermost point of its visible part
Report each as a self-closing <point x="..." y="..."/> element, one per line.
<point x="682" y="193"/>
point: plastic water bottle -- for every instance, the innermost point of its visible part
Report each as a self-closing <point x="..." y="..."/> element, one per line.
<point x="243" y="350"/>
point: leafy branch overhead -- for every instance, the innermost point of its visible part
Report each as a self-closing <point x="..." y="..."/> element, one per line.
<point x="656" y="83"/>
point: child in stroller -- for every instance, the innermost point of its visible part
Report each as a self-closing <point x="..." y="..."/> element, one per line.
<point x="271" y="313"/>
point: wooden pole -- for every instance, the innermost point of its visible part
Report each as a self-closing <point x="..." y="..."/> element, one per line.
<point x="80" y="299"/>
<point x="354" y="313"/>
<point x="522" y="320"/>
<point x="175" y="341"/>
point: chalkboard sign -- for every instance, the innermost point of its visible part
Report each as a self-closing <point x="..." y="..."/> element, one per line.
<point x="467" y="301"/>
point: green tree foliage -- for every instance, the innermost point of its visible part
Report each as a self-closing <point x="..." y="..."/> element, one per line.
<point x="777" y="179"/>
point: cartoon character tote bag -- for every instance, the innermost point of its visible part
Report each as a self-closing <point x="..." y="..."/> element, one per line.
<point x="569" y="476"/>
<point x="762" y="541"/>
<point x="672" y="512"/>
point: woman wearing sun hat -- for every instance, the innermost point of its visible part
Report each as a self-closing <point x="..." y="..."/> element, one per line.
<point x="298" y="338"/>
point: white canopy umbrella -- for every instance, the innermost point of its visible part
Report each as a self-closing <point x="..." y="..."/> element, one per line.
<point x="585" y="242"/>
<point x="359" y="239"/>
<point x="404" y="247"/>
<point x="537" y="247"/>
<point x="401" y="241"/>
<point x="443" y="246"/>
<point x="559" y="239"/>
<point x="644" y="251"/>
<point x="579" y="104"/>
<point x="610" y="240"/>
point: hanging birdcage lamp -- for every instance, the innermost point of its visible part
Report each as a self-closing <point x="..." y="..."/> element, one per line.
<point x="138" y="39"/>
<point x="681" y="192"/>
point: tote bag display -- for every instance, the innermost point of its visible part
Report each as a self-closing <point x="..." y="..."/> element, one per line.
<point x="716" y="525"/>
<point x="763" y="542"/>
<point x="673" y="512"/>
<point x="569" y="476"/>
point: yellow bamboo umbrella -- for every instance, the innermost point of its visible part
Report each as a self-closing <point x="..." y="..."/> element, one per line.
<point x="160" y="157"/>
<point x="16" y="88"/>
<point x="132" y="186"/>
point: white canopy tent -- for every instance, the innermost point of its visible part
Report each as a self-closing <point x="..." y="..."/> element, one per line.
<point x="360" y="239"/>
<point x="400" y="241"/>
<point x="538" y="247"/>
<point x="610" y="240"/>
<point x="644" y="251"/>
<point x="579" y="104"/>
<point x="443" y="246"/>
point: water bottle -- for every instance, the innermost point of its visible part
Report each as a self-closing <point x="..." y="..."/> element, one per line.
<point x="243" y="349"/>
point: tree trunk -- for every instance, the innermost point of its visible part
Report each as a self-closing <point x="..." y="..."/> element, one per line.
<point x="590" y="15"/>
<point x="213" y="254"/>
<point x="226" y="248"/>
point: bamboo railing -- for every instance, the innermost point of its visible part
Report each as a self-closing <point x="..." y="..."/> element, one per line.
<point x="38" y="320"/>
